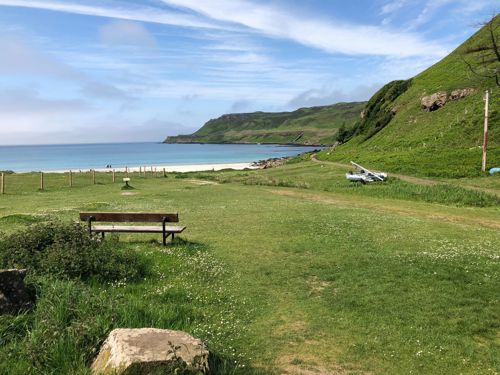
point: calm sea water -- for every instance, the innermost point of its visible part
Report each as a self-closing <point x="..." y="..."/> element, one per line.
<point x="83" y="156"/>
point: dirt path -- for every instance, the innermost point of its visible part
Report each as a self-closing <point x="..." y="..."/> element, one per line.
<point x="417" y="210"/>
<point x="410" y="179"/>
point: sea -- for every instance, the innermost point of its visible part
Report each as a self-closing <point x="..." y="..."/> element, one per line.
<point x="118" y="155"/>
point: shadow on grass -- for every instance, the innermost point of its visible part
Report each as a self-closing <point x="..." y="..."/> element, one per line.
<point x="190" y="247"/>
<point x="22" y="219"/>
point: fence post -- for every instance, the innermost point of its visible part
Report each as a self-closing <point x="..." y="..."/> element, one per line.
<point x="164" y="173"/>
<point x="126" y="171"/>
<point x="2" y="183"/>
<point x="41" y="181"/>
<point x="93" y="177"/>
<point x="114" y="177"/>
<point x="70" y="178"/>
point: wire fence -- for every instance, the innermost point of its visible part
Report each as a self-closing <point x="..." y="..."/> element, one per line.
<point x="25" y="183"/>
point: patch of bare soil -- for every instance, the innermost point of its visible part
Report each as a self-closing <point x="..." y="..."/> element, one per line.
<point x="129" y="193"/>
<point x="316" y="286"/>
<point x="203" y="182"/>
<point x="303" y="365"/>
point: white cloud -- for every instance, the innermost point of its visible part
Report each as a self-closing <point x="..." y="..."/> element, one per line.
<point x="272" y="21"/>
<point x="327" y="95"/>
<point x="126" y="33"/>
<point x="26" y="116"/>
<point x="19" y="57"/>
<point x="330" y="36"/>
<point x="119" y="11"/>
<point x="19" y="101"/>
<point x="393" y="6"/>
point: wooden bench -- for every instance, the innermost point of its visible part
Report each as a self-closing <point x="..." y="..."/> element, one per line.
<point x="132" y="217"/>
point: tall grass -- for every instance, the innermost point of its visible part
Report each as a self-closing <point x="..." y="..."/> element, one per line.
<point x="184" y="288"/>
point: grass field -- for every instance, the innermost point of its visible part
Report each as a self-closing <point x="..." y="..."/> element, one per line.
<point x="282" y="271"/>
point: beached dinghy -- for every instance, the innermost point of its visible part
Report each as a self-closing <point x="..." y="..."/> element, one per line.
<point x="364" y="175"/>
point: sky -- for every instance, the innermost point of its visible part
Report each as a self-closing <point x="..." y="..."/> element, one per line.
<point x="91" y="71"/>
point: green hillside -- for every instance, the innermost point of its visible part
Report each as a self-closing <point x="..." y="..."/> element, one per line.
<point x="397" y="134"/>
<point x="308" y="126"/>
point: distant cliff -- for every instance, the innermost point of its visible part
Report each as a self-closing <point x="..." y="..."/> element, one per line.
<point x="305" y="126"/>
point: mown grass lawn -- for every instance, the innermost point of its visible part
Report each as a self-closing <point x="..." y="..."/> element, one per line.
<point x="287" y="270"/>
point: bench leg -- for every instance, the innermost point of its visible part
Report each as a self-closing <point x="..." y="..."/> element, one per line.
<point x="165" y="236"/>
<point x="102" y="235"/>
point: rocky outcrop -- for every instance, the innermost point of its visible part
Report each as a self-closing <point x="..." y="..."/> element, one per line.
<point x="462" y="93"/>
<point x="14" y="296"/>
<point x="151" y="350"/>
<point x="270" y="163"/>
<point x="439" y="99"/>
<point x="435" y="101"/>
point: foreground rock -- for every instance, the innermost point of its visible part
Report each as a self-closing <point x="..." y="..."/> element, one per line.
<point x="14" y="296"/>
<point x="149" y="350"/>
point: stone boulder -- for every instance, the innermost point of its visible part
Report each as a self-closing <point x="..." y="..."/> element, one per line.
<point x="149" y="350"/>
<point x="462" y="93"/>
<point x="435" y="101"/>
<point x="14" y="296"/>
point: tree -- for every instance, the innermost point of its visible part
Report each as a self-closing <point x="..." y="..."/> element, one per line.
<point x="484" y="59"/>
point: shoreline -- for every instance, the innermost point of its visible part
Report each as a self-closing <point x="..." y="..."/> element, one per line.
<point x="159" y="168"/>
<point x="247" y="143"/>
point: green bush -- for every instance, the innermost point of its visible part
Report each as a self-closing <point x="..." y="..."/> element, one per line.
<point x="67" y="250"/>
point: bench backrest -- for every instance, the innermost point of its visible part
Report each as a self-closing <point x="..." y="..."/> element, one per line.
<point x="133" y="217"/>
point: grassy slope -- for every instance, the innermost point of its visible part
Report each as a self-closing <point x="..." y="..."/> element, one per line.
<point x="279" y="279"/>
<point x="445" y="142"/>
<point x="317" y="125"/>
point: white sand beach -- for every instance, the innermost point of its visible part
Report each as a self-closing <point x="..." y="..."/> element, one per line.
<point x="168" y="168"/>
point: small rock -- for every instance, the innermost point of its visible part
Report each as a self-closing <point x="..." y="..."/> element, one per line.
<point x="434" y="101"/>
<point x="149" y="350"/>
<point x="14" y="296"/>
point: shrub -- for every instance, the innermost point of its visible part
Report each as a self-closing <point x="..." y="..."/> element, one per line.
<point x="67" y="250"/>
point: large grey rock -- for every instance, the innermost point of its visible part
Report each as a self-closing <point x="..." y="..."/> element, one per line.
<point x="144" y="351"/>
<point x="14" y="296"/>
<point x="435" y="101"/>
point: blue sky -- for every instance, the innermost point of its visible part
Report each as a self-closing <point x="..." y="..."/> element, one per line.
<point x="129" y="70"/>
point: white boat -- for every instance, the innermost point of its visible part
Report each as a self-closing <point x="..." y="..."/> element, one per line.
<point x="364" y="175"/>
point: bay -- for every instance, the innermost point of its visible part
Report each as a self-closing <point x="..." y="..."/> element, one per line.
<point x="85" y="156"/>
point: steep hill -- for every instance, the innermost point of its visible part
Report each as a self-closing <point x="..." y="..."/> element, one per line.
<point x="308" y="126"/>
<point x="406" y="128"/>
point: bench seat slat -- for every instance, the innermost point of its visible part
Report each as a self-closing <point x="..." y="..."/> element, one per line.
<point x="136" y="229"/>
